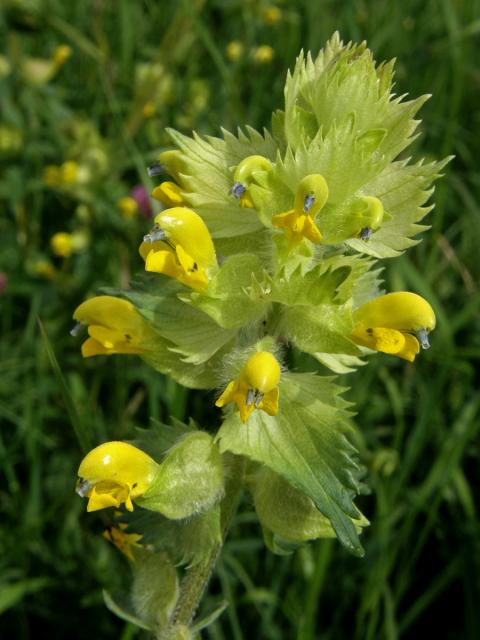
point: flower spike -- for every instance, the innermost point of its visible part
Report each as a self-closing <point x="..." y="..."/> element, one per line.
<point x="311" y="196"/>
<point x="395" y="323"/>
<point x="256" y="388"/>
<point x="180" y="246"/>
<point x="115" y="473"/>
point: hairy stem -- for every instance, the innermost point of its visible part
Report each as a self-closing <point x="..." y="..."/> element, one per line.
<point x="196" y="579"/>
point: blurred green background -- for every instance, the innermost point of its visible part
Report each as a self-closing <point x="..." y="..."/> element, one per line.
<point x="79" y="124"/>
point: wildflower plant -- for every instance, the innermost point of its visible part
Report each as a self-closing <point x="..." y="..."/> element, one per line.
<point x="269" y="242"/>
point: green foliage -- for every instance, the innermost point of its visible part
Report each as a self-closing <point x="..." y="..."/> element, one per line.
<point x="306" y="444"/>
<point x="190" y="479"/>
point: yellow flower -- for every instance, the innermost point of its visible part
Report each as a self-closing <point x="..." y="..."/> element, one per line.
<point x="169" y="194"/>
<point x="311" y="196"/>
<point x="62" y="244"/>
<point x="61" y="54"/>
<point x="148" y="109"/>
<point x="125" y="542"/>
<point x="115" y="473"/>
<point x="368" y="212"/>
<point x="128" y="207"/>
<point x="244" y="176"/>
<point x="52" y="175"/>
<point x="180" y="247"/>
<point x="395" y="323"/>
<point x="234" y="50"/>
<point x="114" y="326"/>
<point x="69" y="172"/>
<point x="271" y="14"/>
<point x="45" y="269"/>
<point x="256" y="388"/>
<point x="263" y="54"/>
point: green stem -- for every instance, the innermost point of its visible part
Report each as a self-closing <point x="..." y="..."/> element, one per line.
<point x="196" y="579"/>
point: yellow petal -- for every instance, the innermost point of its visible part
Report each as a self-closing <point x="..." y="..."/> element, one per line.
<point x="311" y="231"/>
<point x="108" y="311"/>
<point x="227" y="395"/>
<point x="93" y="348"/>
<point x="169" y="194"/>
<point x="269" y="403"/>
<point x="186" y="228"/>
<point x="145" y="248"/>
<point x="163" y="262"/>
<point x="410" y="349"/>
<point x="401" y="310"/>
<point x="106" y="337"/>
<point x="99" y="501"/>
<point x="284" y="220"/>
<point x="261" y="371"/>
<point x="380" y="338"/>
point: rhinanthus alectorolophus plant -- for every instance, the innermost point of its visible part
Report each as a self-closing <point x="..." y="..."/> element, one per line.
<point x="268" y="242"/>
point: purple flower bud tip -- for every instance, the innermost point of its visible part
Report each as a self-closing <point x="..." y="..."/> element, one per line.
<point x="141" y="197"/>
<point x="3" y="282"/>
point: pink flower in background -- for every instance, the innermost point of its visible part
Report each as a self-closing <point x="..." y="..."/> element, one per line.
<point x="141" y="197"/>
<point x="3" y="282"/>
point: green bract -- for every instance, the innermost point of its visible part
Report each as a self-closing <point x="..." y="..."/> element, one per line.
<point x="298" y="218"/>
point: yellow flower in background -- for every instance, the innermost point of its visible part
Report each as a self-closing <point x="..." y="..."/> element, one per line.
<point x="45" y="269"/>
<point x="128" y="207"/>
<point x="244" y="176"/>
<point x="263" y="54"/>
<point x="271" y="14"/>
<point x="52" y="175"/>
<point x="234" y="50"/>
<point x="169" y="194"/>
<point x="61" y="54"/>
<point x="113" y="474"/>
<point x="256" y="387"/>
<point x="396" y="323"/>
<point x="114" y="326"/>
<point x="125" y="542"/>
<point x="62" y="244"/>
<point x="69" y="172"/>
<point x="149" y="109"/>
<point x="311" y="196"/>
<point x="180" y="247"/>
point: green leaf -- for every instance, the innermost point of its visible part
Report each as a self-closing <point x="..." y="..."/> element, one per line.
<point x="210" y="618"/>
<point x="227" y="298"/>
<point x="321" y="329"/>
<point x="313" y="287"/>
<point x="121" y="606"/>
<point x="286" y="511"/>
<point x="306" y="444"/>
<point x="160" y="437"/>
<point x="403" y="190"/>
<point x="155" y="588"/>
<point x="195" y="336"/>
<point x="188" y="542"/>
<point x="190" y="479"/>
<point x="208" y="179"/>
